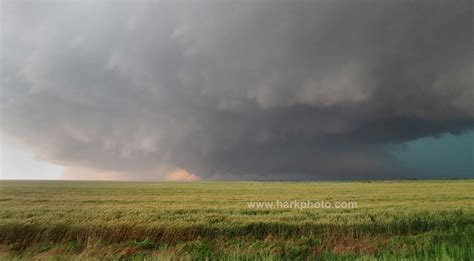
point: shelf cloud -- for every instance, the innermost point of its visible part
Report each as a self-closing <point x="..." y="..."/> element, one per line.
<point x="234" y="90"/>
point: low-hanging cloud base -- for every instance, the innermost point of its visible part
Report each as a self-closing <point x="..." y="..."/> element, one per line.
<point x="234" y="90"/>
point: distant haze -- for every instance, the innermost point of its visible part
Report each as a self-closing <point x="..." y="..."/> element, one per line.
<point x="189" y="90"/>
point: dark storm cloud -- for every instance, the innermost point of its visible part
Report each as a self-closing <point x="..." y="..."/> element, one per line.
<point x="305" y="89"/>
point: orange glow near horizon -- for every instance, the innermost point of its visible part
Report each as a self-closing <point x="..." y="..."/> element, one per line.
<point x="181" y="175"/>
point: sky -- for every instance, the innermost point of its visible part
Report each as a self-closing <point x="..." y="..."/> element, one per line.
<point x="196" y="90"/>
<point x="445" y="156"/>
<point x="17" y="163"/>
<point x="433" y="157"/>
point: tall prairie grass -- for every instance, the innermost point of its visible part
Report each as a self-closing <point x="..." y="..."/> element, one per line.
<point x="416" y="219"/>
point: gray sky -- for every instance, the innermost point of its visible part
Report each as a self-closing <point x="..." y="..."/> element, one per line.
<point x="233" y="90"/>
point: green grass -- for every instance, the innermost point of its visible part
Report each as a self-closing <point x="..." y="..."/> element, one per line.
<point x="425" y="220"/>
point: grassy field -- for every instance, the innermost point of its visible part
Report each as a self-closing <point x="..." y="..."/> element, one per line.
<point x="93" y="220"/>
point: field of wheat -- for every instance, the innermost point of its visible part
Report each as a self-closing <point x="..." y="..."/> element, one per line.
<point x="214" y="221"/>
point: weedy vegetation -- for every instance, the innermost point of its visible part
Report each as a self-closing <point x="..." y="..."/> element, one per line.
<point x="409" y="220"/>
